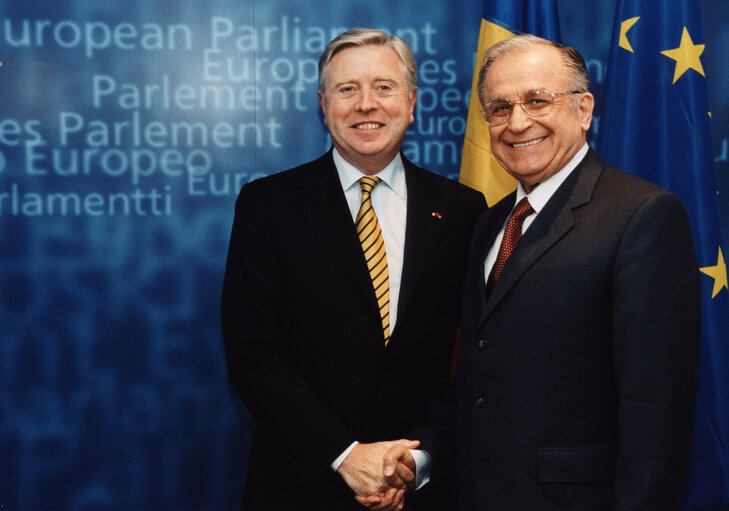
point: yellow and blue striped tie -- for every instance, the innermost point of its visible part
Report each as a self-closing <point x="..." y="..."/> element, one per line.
<point x="373" y="245"/>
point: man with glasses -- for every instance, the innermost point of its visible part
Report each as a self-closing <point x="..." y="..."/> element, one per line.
<point x="580" y="330"/>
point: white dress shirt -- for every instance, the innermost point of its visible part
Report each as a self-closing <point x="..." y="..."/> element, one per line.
<point x="389" y="200"/>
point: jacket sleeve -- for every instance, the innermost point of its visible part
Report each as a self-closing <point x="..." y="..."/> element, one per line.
<point x="656" y="335"/>
<point x="305" y="435"/>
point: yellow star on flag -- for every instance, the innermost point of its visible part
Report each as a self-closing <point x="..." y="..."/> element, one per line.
<point x="686" y="56"/>
<point x="718" y="273"/>
<point x="624" y="27"/>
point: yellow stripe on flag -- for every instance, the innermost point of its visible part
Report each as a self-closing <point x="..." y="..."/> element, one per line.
<point x="479" y="168"/>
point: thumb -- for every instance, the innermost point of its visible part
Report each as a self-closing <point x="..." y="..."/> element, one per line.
<point x="393" y="455"/>
<point x="389" y="463"/>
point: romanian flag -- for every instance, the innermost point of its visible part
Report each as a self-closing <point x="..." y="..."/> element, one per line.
<point x="656" y="123"/>
<point x="501" y="19"/>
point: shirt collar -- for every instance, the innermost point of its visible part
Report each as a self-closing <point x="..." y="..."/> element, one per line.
<point x="542" y="193"/>
<point x="393" y="175"/>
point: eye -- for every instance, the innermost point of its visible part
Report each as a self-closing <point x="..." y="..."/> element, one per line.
<point x="500" y="108"/>
<point x="538" y="100"/>
<point x="347" y="91"/>
<point x="384" y="88"/>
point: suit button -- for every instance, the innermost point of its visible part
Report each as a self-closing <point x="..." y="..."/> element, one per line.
<point x="479" y="402"/>
<point x="481" y="344"/>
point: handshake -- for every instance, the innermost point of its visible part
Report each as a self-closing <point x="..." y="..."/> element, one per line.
<point x="380" y="473"/>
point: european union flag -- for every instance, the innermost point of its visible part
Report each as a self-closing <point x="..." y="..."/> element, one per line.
<point x="500" y="19"/>
<point x="657" y="124"/>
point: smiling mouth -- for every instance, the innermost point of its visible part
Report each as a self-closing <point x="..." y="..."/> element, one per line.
<point x="368" y="126"/>
<point x="525" y="144"/>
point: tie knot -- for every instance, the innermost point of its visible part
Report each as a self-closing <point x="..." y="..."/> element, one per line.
<point x="522" y="210"/>
<point x="367" y="183"/>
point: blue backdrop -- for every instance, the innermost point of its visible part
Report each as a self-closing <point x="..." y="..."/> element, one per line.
<point x="126" y="131"/>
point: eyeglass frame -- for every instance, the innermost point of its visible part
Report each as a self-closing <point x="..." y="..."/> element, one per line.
<point x="508" y="117"/>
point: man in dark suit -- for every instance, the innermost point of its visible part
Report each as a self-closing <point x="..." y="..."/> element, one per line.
<point x="333" y="340"/>
<point x="580" y="330"/>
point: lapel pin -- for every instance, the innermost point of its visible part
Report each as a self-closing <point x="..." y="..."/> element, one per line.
<point x="436" y="214"/>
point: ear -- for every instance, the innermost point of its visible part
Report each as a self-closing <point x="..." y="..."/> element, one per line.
<point x="323" y="105"/>
<point x="413" y="98"/>
<point x="585" y="107"/>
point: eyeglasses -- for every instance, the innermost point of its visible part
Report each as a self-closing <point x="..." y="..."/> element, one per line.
<point x="536" y="104"/>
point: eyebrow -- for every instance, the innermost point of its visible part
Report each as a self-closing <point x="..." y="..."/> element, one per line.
<point x="344" y="82"/>
<point x="377" y="79"/>
<point x="504" y="98"/>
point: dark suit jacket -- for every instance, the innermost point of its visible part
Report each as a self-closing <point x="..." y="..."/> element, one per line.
<point x="577" y="374"/>
<point x="302" y="331"/>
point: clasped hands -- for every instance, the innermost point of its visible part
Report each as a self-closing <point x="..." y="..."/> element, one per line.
<point x="380" y="473"/>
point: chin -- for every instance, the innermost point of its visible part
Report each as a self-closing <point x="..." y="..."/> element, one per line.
<point x="524" y="173"/>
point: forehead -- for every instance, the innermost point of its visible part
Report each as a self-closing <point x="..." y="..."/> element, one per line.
<point x="534" y="68"/>
<point x="361" y="62"/>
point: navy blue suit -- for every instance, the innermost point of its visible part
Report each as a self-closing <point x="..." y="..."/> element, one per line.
<point x="576" y="379"/>
<point x="303" y="336"/>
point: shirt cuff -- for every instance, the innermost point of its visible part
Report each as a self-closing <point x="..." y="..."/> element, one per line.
<point x="422" y="467"/>
<point x="340" y="458"/>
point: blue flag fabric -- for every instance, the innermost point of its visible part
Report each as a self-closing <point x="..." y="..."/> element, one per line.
<point x="656" y="124"/>
<point x="538" y="17"/>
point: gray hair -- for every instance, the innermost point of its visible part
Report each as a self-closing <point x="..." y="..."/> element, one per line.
<point x="369" y="37"/>
<point x="573" y="60"/>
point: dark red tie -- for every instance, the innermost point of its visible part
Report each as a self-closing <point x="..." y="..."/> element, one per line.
<point x="512" y="235"/>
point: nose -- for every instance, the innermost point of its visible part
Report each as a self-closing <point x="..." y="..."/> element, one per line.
<point x="519" y="120"/>
<point x="366" y="100"/>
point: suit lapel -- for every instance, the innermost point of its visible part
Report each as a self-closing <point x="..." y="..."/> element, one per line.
<point x="484" y="237"/>
<point x="553" y="222"/>
<point x="424" y="226"/>
<point x="324" y="207"/>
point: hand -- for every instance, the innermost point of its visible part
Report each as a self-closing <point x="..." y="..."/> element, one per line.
<point x="378" y="483"/>
<point x="397" y="464"/>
